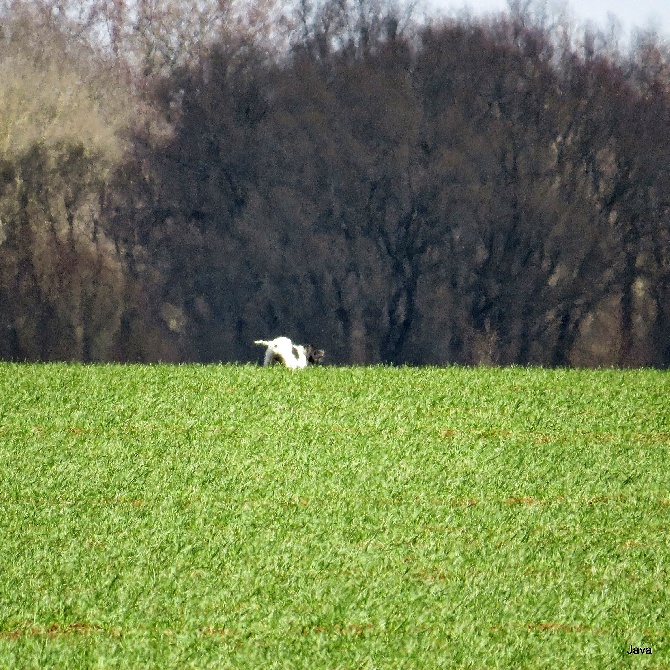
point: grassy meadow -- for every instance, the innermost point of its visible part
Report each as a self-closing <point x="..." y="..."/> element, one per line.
<point x="240" y="517"/>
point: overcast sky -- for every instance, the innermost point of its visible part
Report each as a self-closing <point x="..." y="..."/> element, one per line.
<point x="631" y="13"/>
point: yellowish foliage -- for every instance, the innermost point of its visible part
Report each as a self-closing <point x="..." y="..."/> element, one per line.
<point x="51" y="105"/>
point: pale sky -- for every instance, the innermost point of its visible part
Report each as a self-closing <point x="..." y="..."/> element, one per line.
<point x="631" y="13"/>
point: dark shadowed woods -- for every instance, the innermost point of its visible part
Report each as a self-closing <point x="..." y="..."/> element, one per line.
<point x="177" y="182"/>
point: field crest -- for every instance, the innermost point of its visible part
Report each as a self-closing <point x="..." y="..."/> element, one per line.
<point x="235" y="516"/>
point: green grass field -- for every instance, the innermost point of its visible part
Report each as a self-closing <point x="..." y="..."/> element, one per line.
<point x="241" y="517"/>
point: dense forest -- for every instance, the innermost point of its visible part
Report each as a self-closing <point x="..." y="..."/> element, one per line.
<point x="178" y="179"/>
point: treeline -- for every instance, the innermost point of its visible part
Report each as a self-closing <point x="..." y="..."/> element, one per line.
<point x="178" y="180"/>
